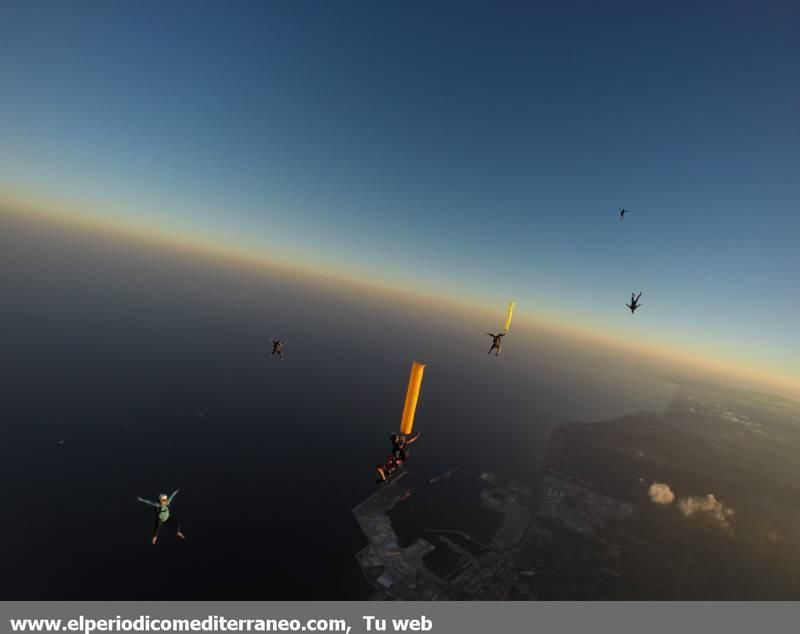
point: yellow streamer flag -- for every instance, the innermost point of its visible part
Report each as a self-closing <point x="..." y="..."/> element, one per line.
<point x="509" y="312"/>
<point x="412" y="395"/>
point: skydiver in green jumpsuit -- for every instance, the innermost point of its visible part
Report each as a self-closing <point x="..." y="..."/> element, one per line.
<point x="163" y="514"/>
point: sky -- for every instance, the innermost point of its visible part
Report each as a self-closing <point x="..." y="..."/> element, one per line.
<point x="470" y="149"/>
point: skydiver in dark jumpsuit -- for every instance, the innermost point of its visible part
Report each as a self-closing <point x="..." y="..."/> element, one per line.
<point x="496" y="342"/>
<point x="277" y="348"/>
<point x="398" y="456"/>
<point x="634" y="302"/>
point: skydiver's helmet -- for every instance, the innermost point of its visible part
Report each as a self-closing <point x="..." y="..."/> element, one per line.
<point x="162" y="497"/>
<point x="394" y="438"/>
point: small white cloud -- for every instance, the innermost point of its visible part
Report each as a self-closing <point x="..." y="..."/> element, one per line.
<point x="709" y="505"/>
<point x="661" y="493"/>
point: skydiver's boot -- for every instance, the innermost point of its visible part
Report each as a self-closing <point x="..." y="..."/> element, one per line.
<point x="154" y="540"/>
<point x="179" y="534"/>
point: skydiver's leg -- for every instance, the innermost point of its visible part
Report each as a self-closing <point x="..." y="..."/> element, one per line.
<point x="156" y="529"/>
<point x="178" y="527"/>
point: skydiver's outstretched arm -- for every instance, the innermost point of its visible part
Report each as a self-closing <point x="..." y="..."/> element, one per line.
<point x="414" y="439"/>
<point x="174" y="493"/>
<point x="148" y="502"/>
<point x="629" y="306"/>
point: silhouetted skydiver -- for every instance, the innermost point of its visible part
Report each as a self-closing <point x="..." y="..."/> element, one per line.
<point x="163" y="513"/>
<point x="400" y="445"/>
<point x="398" y="456"/>
<point x="496" y="342"/>
<point x="634" y="302"/>
<point x="277" y="348"/>
<point x="622" y="213"/>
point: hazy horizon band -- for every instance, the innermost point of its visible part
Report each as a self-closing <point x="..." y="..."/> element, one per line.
<point x="206" y="246"/>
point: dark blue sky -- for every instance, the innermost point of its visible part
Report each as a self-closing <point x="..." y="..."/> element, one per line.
<point x="480" y="148"/>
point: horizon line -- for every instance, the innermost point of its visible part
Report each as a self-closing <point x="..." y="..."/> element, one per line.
<point x="159" y="235"/>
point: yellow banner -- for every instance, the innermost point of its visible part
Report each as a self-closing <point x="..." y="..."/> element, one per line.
<point x="412" y="395"/>
<point x="509" y="312"/>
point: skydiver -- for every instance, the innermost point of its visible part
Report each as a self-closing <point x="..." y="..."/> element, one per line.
<point x="496" y="342"/>
<point x="400" y="445"/>
<point x="622" y="213"/>
<point x="634" y="302"/>
<point x="277" y="348"/>
<point x="163" y="514"/>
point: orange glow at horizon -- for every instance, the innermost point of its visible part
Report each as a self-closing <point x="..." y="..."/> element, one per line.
<point x="166" y="236"/>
